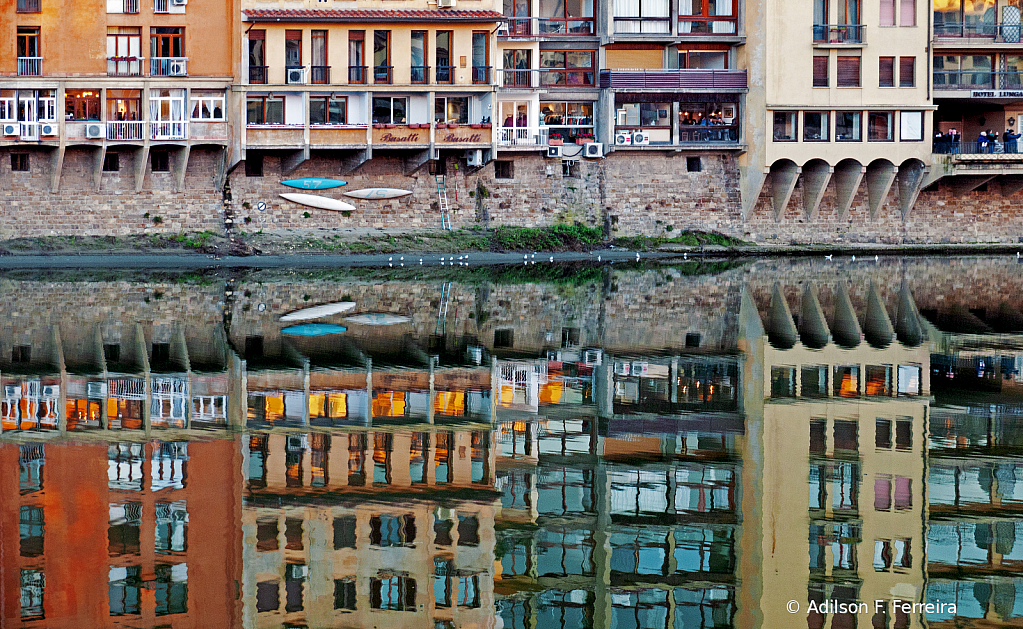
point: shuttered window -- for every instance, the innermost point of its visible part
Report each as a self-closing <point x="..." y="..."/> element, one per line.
<point x="886" y="72"/>
<point x="907" y="12"/>
<point x="887" y="13"/>
<point x="907" y="71"/>
<point x="848" y="72"/>
<point x="820" y="71"/>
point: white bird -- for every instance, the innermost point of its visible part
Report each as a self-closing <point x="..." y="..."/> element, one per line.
<point x="420" y="260"/>
<point x="875" y="258"/>
<point x="552" y="258"/>
<point x="389" y="259"/>
<point x="1017" y="255"/>
<point x="685" y="256"/>
<point x="402" y="258"/>
<point x="828" y="257"/>
<point x="598" y="258"/>
<point x="854" y="258"/>
<point x="524" y="256"/>
<point x="637" y="256"/>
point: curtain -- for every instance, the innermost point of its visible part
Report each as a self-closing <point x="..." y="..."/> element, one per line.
<point x="724" y="7"/>
<point x="887" y="13"/>
<point x="685" y="7"/>
<point x="154" y="109"/>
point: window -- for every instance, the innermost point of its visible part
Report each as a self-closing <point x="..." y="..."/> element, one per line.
<point x="516" y="69"/>
<point x="267" y="534"/>
<point x="566" y="17"/>
<point x="344" y="594"/>
<point x="265" y="110"/>
<point x="784" y="126"/>
<point x="257" y="56"/>
<point x="29" y="54"/>
<point x="846" y="381"/>
<point x="907" y="71"/>
<point x="344" y="532"/>
<point x="820" y="71"/>
<point x="292" y="49"/>
<point x="124" y="49"/>
<point x="567" y="67"/>
<point x="387" y="531"/>
<point x="911" y="126"/>
<point x="125" y="590"/>
<point x="783" y="382"/>
<point x="253" y="168"/>
<point x="29" y="6"/>
<point x="963" y="71"/>
<point x="19" y="163"/>
<point x="904" y="433"/>
<point x="642" y="16"/>
<point x="124" y="104"/>
<point x="963" y="19"/>
<point x="208" y="105"/>
<point x="390" y="110"/>
<point x="171" y="527"/>
<point x="395" y="593"/>
<point x="320" y="71"/>
<point x="504" y="169"/>
<point x="567" y="120"/>
<point x="293" y="534"/>
<point x="707" y="17"/>
<point x="886" y="72"/>
<point x="7" y="109"/>
<point x="814" y="381"/>
<point x="111" y="164"/>
<point x="171" y="589"/>
<point x="892" y="554"/>
<point x="382" y="56"/>
<point x="444" y="56"/>
<point x="268" y="596"/>
<point x="703" y="59"/>
<point x="451" y="109"/>
<point x="161" y="164"/>
<point x="33" y="584"/>
<point x="848" y="72"/>
<point x="848" y="127"/>
<point x="78" y="105"/>
<point x="167" y="41"/>
<point x="693" y="165"/>
<point x="327" y="110"/>
<point x="32" y="530"/>
<point x="480" y="57"/>
<point x="907" y="12"/>
<point x="420" y="71"/>
<point x="503" y="338"/>
<point x="887" y="13"/>
<point x="879" y="126"/>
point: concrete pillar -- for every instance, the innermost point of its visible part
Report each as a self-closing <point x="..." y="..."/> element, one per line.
<point x="813" y="326"/>
<point x="907" y="321"/>
<point x="180" y="167"/>
<point x="880" y="176"/>
<point x="911" y="179"/>
<point x="751" y="184"/>
<point x="877" y="326"/>
<point x="305" y="391"/>
<point x="433" y="389"/>
<point x="781" y="330"/>
<point x="1010" y="184"/>
<point x="845" y="326"/>
<point x="964" y="184"/>
<point x="816" y="175"/>
<point x="848" y="175"/>
<point x="98" y="157"/>
<point x="783" y="182"/>
<point x="57" y="162"/>
<point x="141" y="159"/>
<point x="369" y="391"/>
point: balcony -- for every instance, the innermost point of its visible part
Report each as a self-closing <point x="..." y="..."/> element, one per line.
<point x="420" y="74"/>
<point x="518" y="78"/>
<point x="838" y="33"/>
<point x="670" y="79"/>
<point x="566" y="26"/>
<point x="975" y="80"/>
<point x="445" y="74"/>
<point x="257" y="74"/>
<point x="978" y="33"/>
<point x="29" y="6"/>
<point x="130" y="6"/>
<point x="481" y="75"/>
<point x="126" y="66"/>
<point x="319" y="75"/>
<point x="30" y="66"/>
<point x="524" y="137"/>
<point x="168" y="66"/>
<point x="159" y="6"/>
<point x="29" y="131"/>
<point x="168" y="130"/>
<point x="357" y="74"/>
<point x="126" y="130"/>
<point x="383" y="75"/>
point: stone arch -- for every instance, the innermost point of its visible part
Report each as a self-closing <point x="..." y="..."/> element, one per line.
<point x="784" y="174"/>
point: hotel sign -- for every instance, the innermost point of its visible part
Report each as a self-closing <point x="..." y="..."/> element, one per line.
<point x="996" y="94"/>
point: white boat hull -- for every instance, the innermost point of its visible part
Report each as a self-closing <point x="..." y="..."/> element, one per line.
<point x="378" y="318"/>
<point x="374" y="194"/>
<point x="316" y="312"/>
<point x="316" y="201"/>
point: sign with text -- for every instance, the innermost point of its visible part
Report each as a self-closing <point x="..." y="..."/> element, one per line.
<point x="462" y="135"/>
<point x="996" y="94"/>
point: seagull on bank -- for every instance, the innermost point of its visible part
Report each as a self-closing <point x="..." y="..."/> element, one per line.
<point x="854" y="258"/>
<point x="828" y="257"/>
<point x="875" y="258"/>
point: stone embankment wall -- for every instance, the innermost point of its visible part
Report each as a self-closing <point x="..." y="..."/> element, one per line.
<point x="655" y="193"/>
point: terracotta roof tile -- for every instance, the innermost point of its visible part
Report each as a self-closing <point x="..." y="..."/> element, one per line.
<point x="369" y="15"/>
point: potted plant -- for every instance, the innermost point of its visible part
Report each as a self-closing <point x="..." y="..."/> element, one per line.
<point x="378" y="126"/>
<point x="554" y="139"/>
<point x="476" y="125"/>
<point x="486" y="125"/>
<point x="389" y="126"/>
<point x="452" y="125"/>
<point x="413" y="126"/>
<point x="584" y="138"/>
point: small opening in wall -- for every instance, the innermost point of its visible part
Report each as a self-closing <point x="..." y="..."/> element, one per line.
<point x="693" y="339"/>
<point x="694" y="165"/>
<point x="504" y="169"/>
<point x="19" y="162"/>
<point x="112" y="352"/>
<point x="570" y="168"/>
<point x="254" y="166"/>
<point x="503" y="338"/>
<point x="160" y="161"/>
<point x="253" y="347"/>
<point x="21" y="354"/>
<point x="161" y="353"/>
<point x="111" y="163"/>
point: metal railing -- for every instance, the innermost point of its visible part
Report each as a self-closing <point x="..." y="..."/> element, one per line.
<point x="669" y="78"/>
<point x="977" y="80"/>
<point x="481" y="75"/>
<point x="522" y="136"/>
<point x="257" y="74"/>
<point x="319" y="74"/>
<point x="1009" y="33"/>
<point x="445" y="74"/>
<point x="130" y="6"/>
<point x="518" y="27"/>
<point x="697" y="25"/>
<point x="159" y="6"/>
<point x="715" y="134"/>
<point x="420" y="74"/>
<point x="517" y="78"/>
<point x="973" y="147"/>
<point x="383" y="74"/>
<point x="168" y="130"/>
<point x="126" y="130"/>
<point x="126" y="66"/>
<point x="565" y="26"/>
<point x="357" y="74"/>
<point x="30" y="66"/>
<point x="839" y="33"/>
<point x="29" y="130"/>
<point x="29" y="6"/>
<point x="168" y="66"/>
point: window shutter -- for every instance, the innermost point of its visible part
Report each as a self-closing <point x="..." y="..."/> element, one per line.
<point x="886" y="72"/>
<point x="907" y="12"/>
<point x="907" y="71"/>
<point x="257" y="35"/>
<point x="848" y="72"/>
<point x="887" y="13"/>
<point x="820" y="71"/>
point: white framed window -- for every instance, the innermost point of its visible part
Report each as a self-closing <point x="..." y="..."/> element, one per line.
<point x="47" y="105"/>
<point x="911" y="126"/>
<point x="208" y="106"/>
<point x="7" y="110"/>
<point x="166" y="105"/>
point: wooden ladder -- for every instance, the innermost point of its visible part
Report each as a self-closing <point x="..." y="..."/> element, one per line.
<point x="442" y="197"/>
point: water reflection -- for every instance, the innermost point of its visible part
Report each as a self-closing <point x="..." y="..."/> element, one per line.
<point x="665" y="447"/>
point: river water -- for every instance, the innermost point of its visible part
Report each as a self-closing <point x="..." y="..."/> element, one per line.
<point x="766" y="443"/>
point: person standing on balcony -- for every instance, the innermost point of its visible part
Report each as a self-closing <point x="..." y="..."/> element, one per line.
<point x="1010" y="141"/>
<point x="982" y="142"/>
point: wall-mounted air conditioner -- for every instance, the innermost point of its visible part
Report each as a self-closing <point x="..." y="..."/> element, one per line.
<point x="296" y="76"/>
<point x="178" y="68"/>
<point x="94" y="131"/>
<point x="49" y="129"/>
<point x="96" y="389"/>
<point x="446" y="4"/>
<point x="593" y="149"/>
<point x="179" y="3"/>
<point x="11" y="129"/>
<point x="12" y="392"/>
<point x="474" y="158"/>
<point x="593" y="357"/>
<point x="623" y="138"/>
<point x="297" y="443"/>
<point x="622" y="369"/>
<point x="640" y="137"/>
<point x="554" y="152"/>
<point x="51" y="391"/>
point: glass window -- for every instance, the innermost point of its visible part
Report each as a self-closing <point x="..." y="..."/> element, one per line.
<point x="390" y="110"/>
<point x="327" y="110"/>
<point x="566" y="17"/>
<point x="641" y="16"/>
<point x="420" y="71"/>
<point x="208" y="105"/>
<point x="265" y="110"/>
<point x="848" y="127"/>
<point x="567" y="67"/>
<point x="815" y="126"/>
<point x="124" y="104"/>
<point x="356" y="56"/>
<point x="706" y="17"/>
<point x="78" y="105"/>
<point x="703" y="59"/>
<point x="451" y="109"/>
<point x="167" y="42"/>
<point x="517" y="64"/>
<point x="879" y="126"/>
<point x="443" y="56"/>
<point x="293" y="49"/>
<point x="567" y="120"/>
<point x="784" y="126"/>
<point x="911" y="126"/>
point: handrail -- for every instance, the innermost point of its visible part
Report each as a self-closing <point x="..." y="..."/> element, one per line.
<point x="258" y="74"/>
<point x="838" y="33"/>
<point x="959" y="31"/>
<point x="383" y="74"/>
<point x="126" y="66"/>
<point x="125" y="130"/>
<point x="357" y="74"/>
<point x="30" y="66"/>
<point x="976" y="80"/>
<point x="319" y="74"/>
<point x="168" y="66"/>
<point x="420" y="74"/>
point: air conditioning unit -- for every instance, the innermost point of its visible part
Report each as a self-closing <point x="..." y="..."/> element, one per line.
<point x="623" y="138"/>
<point x="179" y="3"/>
<point x="554" y="152"/>
<point x="474" y="158"/>
<point x="297" y="443"/>
<point x="96" y="389"/>
<point x="593" y="357"/>
<point x="94" y="131"/>
<point x="640" y="137"/>
<point x="12" y="392"/>
<point x="296" y="76"/>
<point x="622" y="369"/>
<point x="178" y="68"/>
<point x="51" y="391"/>
<point x="446" y="4"/>
<point x="593" y="149"/>
<point x="49" y="129"/>
<point x="11" y="129"/>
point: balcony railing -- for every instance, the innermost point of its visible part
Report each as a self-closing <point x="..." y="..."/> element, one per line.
<point x="128" y="130"/>
<point x="29" y="6"/>
<point x="383" y="74"/>
<point x="481" y="75"/>
<point x="518" y="78"/>
<point x="257" y="74"/>
<point x="518" y="27"/>
<point x="717" y="134"/>
<point x="839" y="33"/>
<point x="357" y="74"/>
<point x="319" y="75"/>
<point x="130" y="6"/>
<point x="674" y="79"/>
<point x="30" y="66"/>
<point x="1008" y="33"/>
<point x="168" y="66"/>
<point x="168" y="130"/>
<point x="977" y="80"/>
<point x="159" y="6"/>
<point x="522" y="136"/>
<point x="420" y="74"/>
<point x="29" y="130"/>
<point x="126" y="66"/>
<point x="566" y="26"/>
<point x="445" y="74"/>
<point x="698" y="25"/>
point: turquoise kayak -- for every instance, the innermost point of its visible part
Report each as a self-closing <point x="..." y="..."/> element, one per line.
<point x="310" y="183"/>
<point x="314" y="329"/>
